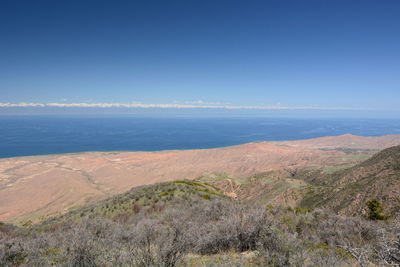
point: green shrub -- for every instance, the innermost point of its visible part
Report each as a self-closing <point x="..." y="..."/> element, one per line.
<point x="375" y="210"/>
<point x="302" y="210"/>
<point x="206" y="196"/>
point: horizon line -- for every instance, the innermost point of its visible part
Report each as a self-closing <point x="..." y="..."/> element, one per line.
<point x="174" y="106"/>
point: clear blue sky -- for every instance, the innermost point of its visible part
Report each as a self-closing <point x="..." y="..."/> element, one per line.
<point x="290" y="53"/>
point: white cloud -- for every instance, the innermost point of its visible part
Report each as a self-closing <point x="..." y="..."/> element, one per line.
<point x="22" y="104"/>
<point x="186" y="105"/>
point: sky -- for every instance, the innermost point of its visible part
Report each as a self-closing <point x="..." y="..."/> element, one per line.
<point x="232" y="55"/>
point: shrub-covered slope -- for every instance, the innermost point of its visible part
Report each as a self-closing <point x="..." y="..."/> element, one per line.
<point x="191" y="223"/>
<point x="193" y="230"/>
<point x="347" y="191"/>
<point x="150" y="198"/>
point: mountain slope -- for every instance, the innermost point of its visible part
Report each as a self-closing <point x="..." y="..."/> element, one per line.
<point x="275" y="187"/>
<point x="349" y="190"/>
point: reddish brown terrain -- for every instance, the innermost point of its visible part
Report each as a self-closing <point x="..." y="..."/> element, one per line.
<point x="31" y="187"/>
<point x="346" y="141"/>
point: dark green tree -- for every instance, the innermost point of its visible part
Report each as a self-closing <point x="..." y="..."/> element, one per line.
<point x="375" y="210"/>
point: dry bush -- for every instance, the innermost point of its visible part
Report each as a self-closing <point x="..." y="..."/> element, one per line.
<point x="216" y="226"/>
<point x="157" y="243"/>
<point x="163" y="238"/>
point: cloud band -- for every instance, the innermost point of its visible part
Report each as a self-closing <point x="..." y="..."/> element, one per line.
<point x="171" y="106"/>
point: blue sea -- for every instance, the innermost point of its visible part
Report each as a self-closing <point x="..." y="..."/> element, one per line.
<point x="39" y="135"/>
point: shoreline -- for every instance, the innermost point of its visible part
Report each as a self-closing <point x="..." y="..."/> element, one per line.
<point x="273" y="142"/>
